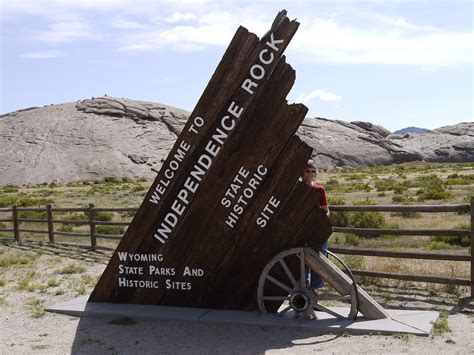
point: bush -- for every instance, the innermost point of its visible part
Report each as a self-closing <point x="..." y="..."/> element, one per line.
<point x="115" y="230"/>
<point x="463" y="241"/>
<point x="359" y="187"/>
<point x="333" y="185"/>
<point x="10" y="188"/>
<point x="137" y="188"/>
<point x="432" y="194"/>
<point x="33" y="214"/>
<point x="432" y="188"/>
<point x="385" y="184"/>
<point x="338" y="218"/>
<point x="434" y="245"/>
<point x="7" y="201"/>
<point x="104" y="216"/>
<point x="81" y="217"/>
<point x="66" y="228"/>
<point x="366" y="219"/>
<point x="400" y="189"/>
<point x="406" y="214"/>
<point x="54" y="184"/>
<point x="111" y="180"/>
<point x="351" y="239"/>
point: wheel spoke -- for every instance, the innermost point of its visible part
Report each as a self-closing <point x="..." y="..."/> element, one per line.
<point x="302" y="269"/>
<point x="279" y="283"/>
<point x="289" y="274"/>
<point x="319" y="307"/>
<point x="275" y="298"/>
<point x="284" y="311"/>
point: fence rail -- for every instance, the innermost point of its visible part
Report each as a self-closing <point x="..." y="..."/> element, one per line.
<point x="91" y="220"/>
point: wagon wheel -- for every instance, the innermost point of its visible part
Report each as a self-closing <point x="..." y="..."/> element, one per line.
<point x="283" y="280"/>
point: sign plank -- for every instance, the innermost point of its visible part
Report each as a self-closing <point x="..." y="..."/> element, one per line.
<point x="227" y="198"/>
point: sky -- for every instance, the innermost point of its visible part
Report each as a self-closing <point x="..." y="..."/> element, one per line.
<point x="394" y="63"/>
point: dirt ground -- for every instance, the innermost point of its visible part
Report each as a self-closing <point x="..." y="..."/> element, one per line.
<point x="24" y="329"/>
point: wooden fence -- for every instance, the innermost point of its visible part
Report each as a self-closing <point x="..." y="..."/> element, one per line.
<point x="92" y="234"/>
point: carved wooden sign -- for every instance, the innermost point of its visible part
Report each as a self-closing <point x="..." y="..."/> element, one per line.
<point x="227" y="198"/>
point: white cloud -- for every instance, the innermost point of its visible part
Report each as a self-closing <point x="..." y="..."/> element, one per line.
<point x="178" y="16"/>
<point x="342" y="37"/>
<point x="43" y="55"/>
<point x="63" y="32"/>
<point x="180" y="38"/>
<point x="318" y="95"/>
<point x="126" y="24"/>
<point x="396" y="42"/>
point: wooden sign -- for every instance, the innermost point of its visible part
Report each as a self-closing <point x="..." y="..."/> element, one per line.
<point x="227" y="198"/>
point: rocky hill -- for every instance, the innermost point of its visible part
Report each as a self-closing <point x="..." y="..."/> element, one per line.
<point x="411" y="130"/>
<point x="101" y="137"/>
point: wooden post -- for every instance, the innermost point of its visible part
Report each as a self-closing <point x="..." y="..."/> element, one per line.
<point x="16" y="231"/>
<point x="92" y="226"/>
<point x="472" y="246"/>
<point x="50" y="224"/>
<point x="343" y="284"/>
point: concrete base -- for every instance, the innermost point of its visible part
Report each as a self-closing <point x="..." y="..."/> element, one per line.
<point x="410" y="322"/>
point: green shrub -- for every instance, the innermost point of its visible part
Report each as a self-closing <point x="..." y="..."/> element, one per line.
<point x="3" y="225"/>
<point x="370" y="219"/>
<point x="10" y="188"/>
<point x="7" y="201"/>
<point x="456" y="179"/>
<point x="33" y="202"/>
<point x="16" y="259"/>
<point x="137" y="188"/>
<point x="351" y="239"/>
<point x="66" y="228"/>
<point x="333" y="185"/>
<point x="81" y="218"/>
<point x="108" y="229"/>
<point x="406" y="214"/>
<point x="128" y="214"/>
<point x="432" y="188"/>
<point x="441" y="326"/>
<point x="434" y="245"/>
<point x="338" y="218"/>
<point x="54" y="184"/>
<point x="35" y="307"/>
<point x="432" y="194"/>
<point x="400" y="189"/>
<point x="103" y="216"/>
<point x="385" y="184"/>
<point x="355" y="177"/>
<point x="111" y="180"/>
<point x="366" y="220"/>
<point x="33" y="214"/>
<point x="71" y="269"/>
<point x="463" y="241"/>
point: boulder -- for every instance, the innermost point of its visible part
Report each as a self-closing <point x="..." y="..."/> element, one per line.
<point x="107" y="136"/>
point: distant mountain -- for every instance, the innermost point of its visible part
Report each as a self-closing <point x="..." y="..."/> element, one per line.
<point x="411" y="130"/>
<point x="101" y="137"/>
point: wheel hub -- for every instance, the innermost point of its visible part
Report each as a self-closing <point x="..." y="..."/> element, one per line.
<point x="299" y="301"/>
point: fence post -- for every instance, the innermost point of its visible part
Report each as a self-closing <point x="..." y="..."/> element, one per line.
<point x="49" y="214"/>
<point x="16" y="232"/>
<point x="472" y="246"/>
<point x="92" y="226"/>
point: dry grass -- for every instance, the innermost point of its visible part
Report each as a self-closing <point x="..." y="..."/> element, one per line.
<point x="356" y="185"/>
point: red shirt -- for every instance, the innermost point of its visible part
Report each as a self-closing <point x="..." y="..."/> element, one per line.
<point x="323" y="197"/>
